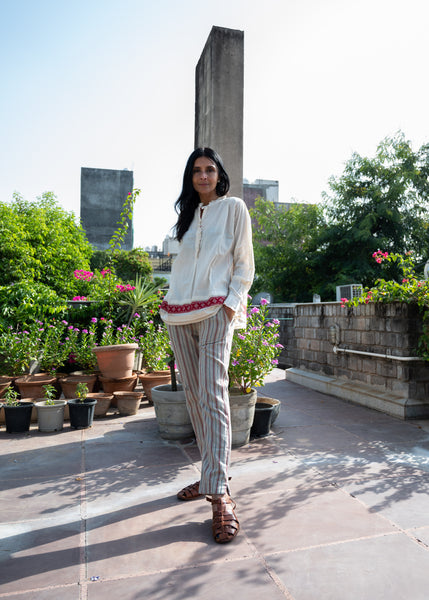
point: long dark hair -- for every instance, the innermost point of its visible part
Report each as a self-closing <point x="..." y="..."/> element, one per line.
<point x="189" y="199"/>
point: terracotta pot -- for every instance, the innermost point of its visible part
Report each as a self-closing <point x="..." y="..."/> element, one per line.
<point x="116" y="361"/>
<point x="123" y="384"/>
<point x="150" y="380"/>
<point x="103" y="403"/>
<point x="4" y="384"/>
<point x="128" y="403"/>
<point x="31" y="386"/>
<point x="69" y="384"/>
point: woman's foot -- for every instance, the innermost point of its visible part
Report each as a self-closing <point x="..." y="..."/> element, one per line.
<point x="225" y="524"/>
<point x="190" y="492"/>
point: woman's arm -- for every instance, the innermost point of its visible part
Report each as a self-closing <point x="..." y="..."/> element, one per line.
<point x="243" y="269"/>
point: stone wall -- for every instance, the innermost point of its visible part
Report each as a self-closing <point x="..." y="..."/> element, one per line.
<point x="324" y="342"/>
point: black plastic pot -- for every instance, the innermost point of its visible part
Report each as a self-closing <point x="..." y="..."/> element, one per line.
<point x="266" y="412"/>
<point x="18" y="417"/>
<point x="81" y="413"/>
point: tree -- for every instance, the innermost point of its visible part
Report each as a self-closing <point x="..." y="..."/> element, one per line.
<point x="377" y="203"/>
<point x="41" y="242"/>
<point x="129" y="263"/>
<point x="283" y="246"/>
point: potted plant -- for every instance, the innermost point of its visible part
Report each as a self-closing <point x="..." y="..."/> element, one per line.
<point x="50" y="412"/>
<point x="81" y="408"/>
<point x="17" y="414"/>
<point x="156" y="351"/>
<point x="174" y="422"/>
<point x="253" y="355"/>
<point x="115" y="352"/>
<point x="20" y="350"/>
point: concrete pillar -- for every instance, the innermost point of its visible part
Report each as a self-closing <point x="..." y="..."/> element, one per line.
<point x="219" y="101"/>
<point x="102" y="195"/>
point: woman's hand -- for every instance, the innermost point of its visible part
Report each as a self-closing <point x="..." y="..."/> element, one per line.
<point x="229" y="312"/>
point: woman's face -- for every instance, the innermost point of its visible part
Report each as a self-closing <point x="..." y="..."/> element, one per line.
<point x="205" y="177"/>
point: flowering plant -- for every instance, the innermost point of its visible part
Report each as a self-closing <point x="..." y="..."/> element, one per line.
<point x="54" y="351"/>
<point x="18" y="348"/>
<point x="155" y="347"/>
<point x="78" y="345"/>
<point x="411" y="289"/>
<point x="124" y="334"/>
<point x="254" y="349"/>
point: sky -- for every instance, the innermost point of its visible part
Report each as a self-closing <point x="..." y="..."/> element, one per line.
<point x="109" y="84"/>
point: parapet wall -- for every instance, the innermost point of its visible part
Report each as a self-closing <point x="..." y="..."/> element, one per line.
<point x="366" y="353"/>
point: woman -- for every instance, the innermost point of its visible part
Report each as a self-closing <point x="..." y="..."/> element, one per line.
<point x="206" y="301"/>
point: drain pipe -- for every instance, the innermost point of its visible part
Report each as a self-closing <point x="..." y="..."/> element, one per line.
<point x="336" y="349"/>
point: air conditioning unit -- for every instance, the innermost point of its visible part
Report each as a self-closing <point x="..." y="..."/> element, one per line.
<point x="352" y="290"/>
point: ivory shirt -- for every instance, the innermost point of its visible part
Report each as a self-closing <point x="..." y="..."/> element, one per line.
<point x="214" y="266"/>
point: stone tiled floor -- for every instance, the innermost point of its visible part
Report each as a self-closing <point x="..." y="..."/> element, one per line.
<point x="333" y="505"/>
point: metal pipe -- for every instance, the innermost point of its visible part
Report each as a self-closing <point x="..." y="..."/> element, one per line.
<point x="375" y="355"/>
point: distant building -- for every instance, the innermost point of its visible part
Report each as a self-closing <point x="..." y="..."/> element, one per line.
<point x="264" y="188"/>
<point x="102" y="196"/>
<point x="170" y="246"/>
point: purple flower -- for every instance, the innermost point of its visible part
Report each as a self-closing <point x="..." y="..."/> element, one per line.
<point x="241" y="336"/>
<point x="84" y="330"/>
<point x="264" y="301"/>
<point x="276" y="322"/>
<point x="94" y="320"/>
<point x="254" y="310"/>
<point x="274" y="361"/>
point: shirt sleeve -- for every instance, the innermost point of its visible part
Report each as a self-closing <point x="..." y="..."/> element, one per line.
<point x="243" y="268"/>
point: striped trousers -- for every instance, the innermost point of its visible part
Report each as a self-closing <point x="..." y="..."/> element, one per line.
<point x="202" y="352"/>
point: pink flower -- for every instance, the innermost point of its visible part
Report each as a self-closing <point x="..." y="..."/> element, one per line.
<point x="264" y="301"/>
<point x="254" y="310"/>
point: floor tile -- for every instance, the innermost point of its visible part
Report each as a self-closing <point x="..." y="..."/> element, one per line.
<point x="243" y="579"/>
<point x="389" y="567"/>
<point x="305" y="516"/>
<point x="39" y="554"/>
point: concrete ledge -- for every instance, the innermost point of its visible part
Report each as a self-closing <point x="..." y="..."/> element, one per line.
<point x="364" y="395"/>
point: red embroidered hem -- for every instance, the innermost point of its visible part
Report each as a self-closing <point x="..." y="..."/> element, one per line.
<point x="197" y="305"/>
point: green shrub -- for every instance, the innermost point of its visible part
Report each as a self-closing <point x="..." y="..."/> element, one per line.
<point x="41" y="242"/>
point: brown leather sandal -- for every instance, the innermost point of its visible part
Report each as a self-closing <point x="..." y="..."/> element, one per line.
<point x="190" y="492"/>
<point x="225" y="524"/>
